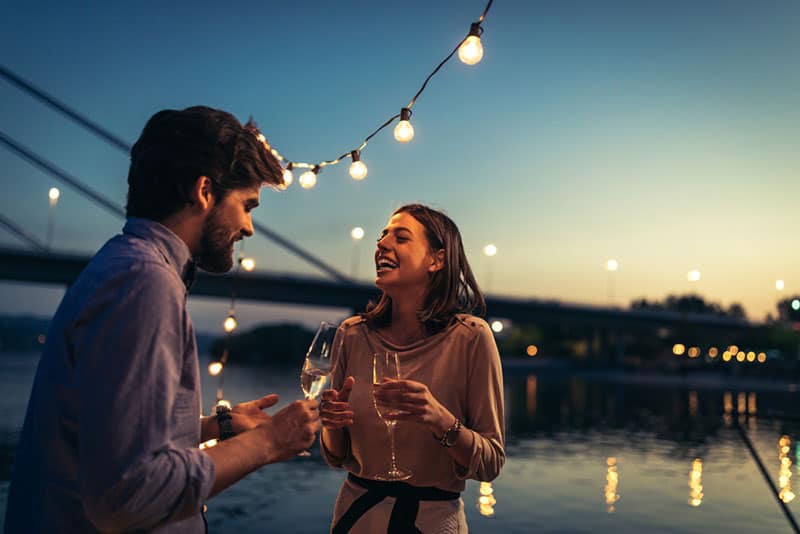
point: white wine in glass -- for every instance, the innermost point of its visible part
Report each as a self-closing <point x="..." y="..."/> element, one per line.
<point x="386" y="365"/>
<point x="317" y="365"/>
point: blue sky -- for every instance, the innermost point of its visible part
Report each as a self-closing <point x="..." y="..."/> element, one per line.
<point x="663" y="135"/>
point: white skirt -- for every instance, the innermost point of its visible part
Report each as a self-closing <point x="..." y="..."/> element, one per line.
<point x="434" y="517"/>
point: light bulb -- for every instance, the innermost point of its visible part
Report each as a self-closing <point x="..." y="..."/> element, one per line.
<point x="230" y="324"/>
<point x="54" y="193"/>
<point x="490" y="250"/>
<point x="214" y="368"/>
<point x="471" y="50"/>
<point x="288" y="176"/>
<point x="248" y="264"/>
<point x="612" y="265"/>
<point x="358" y="171"/>
<point x="404" y="132"/>
<point x="309" y="178"/>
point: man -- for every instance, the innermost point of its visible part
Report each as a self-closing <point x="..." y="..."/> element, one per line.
<point x="111" y="435"/>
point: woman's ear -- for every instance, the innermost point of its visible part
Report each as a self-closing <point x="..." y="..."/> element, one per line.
<point x="201" y="195"/>
<point x="437" y="261"/>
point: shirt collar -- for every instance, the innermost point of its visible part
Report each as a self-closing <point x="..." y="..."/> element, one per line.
<point x="172" y="248"/>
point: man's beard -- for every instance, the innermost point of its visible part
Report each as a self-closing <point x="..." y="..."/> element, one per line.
<point x="216" y="247"/>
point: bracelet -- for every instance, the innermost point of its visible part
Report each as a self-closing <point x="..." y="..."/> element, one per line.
<point x="450" y="436"/>
<point x="224" y="422"/>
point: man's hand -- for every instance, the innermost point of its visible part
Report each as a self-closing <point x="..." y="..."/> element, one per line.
<point x="334" y="411"/>
<point x="292" y="429"/>
<point x="248" y="415"/>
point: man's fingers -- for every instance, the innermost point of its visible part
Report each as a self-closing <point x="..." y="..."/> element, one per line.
<point x="267" y="401"/>
<point x="330" y="395"/>
<point x="347" y="387"/>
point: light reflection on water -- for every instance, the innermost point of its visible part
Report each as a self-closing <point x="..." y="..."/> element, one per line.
<point x="585" y="454"/>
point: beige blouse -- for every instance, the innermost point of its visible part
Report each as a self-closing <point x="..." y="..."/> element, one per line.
<point x="461" y="367"/>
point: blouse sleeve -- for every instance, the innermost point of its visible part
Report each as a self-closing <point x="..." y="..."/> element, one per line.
<point x="337" y="378"/>
<point x="484" y="416"/>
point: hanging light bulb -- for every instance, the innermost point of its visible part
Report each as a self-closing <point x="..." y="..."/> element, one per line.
<point x="471" y="50"/>
<point x="288" y="176"/>
<point x="230" y="324"/>
<point x="214" y="368"/>
<point x="248" y="264"/>
<point x="358" y="171"/>
<point x="309" y="178"/>
<point x="404" y="132"/>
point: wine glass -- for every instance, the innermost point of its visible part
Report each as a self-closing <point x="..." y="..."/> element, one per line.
<point x="386" y="365"/>
<point x="317" y="365"/>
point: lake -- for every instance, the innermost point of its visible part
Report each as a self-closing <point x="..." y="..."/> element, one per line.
<point x="587" y="452"/>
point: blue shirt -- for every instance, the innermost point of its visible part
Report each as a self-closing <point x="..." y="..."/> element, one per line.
<point x="110" y="439"/>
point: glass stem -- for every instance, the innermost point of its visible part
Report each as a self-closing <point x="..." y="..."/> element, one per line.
<point x="390" y="428"/>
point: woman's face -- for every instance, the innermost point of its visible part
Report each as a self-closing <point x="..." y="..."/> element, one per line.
<point x="403" y="258"/>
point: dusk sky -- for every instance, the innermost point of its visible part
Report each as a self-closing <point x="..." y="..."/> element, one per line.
<point x="661" y="134"/>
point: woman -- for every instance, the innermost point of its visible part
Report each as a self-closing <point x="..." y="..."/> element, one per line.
<point x="450" y="396"/>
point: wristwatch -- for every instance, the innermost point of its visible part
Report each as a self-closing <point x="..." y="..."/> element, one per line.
<point x="224" y="421"/>
<point x="450" y="436"/>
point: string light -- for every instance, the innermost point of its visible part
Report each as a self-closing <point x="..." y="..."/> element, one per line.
<point x="358" y="171"/>
<point x="288" y="176"/>
<point x="248" y="264"/>
<point x="230" y="323"/>
<point x="470" y="51"/>
<point x="215" y="368"/>
<point x="309" y="178"/>
<point x="404" y="132"/>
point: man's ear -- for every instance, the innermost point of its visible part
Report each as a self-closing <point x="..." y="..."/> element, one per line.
<point x="437" y="261"/>
<point x="201" y="194"/>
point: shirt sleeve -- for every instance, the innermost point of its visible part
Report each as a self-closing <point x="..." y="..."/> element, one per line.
<point x="337" y="379"/>
<point x="485" y="418"/>
<point x="128" y="347"/>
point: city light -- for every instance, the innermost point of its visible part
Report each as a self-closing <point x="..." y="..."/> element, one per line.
<point x="762" y="357"/>
<point x="713" y="352"/>
<point x="696" y="483"/>
<point x="612" y="483"/>
<point x="694" y="352"/>
<point x="532" y="350"/>
<point x="678" y="349"/>
<point x="497" y="326"/>
<point x="726" y="356"/>
<point x="796" y="304"/>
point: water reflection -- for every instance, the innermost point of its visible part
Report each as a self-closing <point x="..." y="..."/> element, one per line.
<point x="785" y="472"/>
<point x="696" y="483"/>
<point x="486" y="500"/>
<point x="612" y="482"/>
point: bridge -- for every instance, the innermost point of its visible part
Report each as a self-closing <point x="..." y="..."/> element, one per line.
<point x="38" y="264"/>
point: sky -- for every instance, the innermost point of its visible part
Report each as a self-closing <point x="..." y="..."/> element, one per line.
<point x="660" y="134"/>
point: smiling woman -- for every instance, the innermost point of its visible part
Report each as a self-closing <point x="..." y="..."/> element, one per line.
<point x="446" y="403"/>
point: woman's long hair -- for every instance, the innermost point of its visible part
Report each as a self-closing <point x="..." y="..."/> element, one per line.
<point x="451" y="290"/>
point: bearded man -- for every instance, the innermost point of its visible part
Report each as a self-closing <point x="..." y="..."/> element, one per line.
<point x="111" y="436"/>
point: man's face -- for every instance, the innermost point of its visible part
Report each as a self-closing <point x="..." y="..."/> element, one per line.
<point x="228" y="222"/>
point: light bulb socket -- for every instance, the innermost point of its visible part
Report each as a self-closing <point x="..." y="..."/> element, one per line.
<point x="290" y="166"/>
<point x="405" y="114"/>
<point x="475" y="29"/>
<point x="355" y="155"/>
<point x="316" y="169"/>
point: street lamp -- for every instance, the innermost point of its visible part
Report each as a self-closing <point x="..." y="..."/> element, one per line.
<point x="611" y="266"/>
<point x="489" y="251"/>
<point x="54" y="194"/>
<point x="357" y="234"/>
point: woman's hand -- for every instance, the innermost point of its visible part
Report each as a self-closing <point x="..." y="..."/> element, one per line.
<point x="248" y="415"/>
<point x="407" y="400"/>
<point x="334" y="410"/>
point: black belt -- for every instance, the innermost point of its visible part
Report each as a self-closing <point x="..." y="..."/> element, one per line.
<point x="404" y="512"/>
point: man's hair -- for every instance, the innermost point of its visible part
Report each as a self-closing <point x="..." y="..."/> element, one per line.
<point x="451" y="290"/>
<point x="178" y="147"/>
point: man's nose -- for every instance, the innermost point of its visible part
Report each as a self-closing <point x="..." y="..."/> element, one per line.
<point x="248" y="227"/>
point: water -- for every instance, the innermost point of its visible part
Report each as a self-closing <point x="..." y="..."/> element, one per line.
<point x="595" y="452"/>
